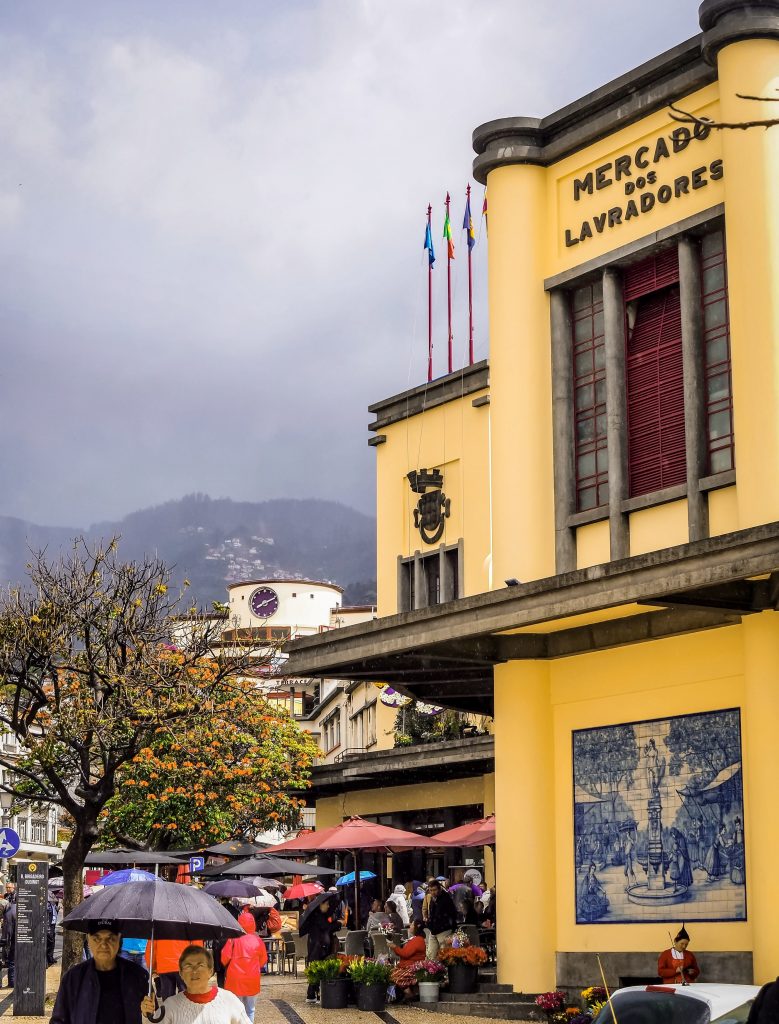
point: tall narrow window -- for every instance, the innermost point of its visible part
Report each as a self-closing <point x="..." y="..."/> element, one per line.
<point x="655" y="380"/>
<point x="589" y="385"/>
<point x="716" y="340"/>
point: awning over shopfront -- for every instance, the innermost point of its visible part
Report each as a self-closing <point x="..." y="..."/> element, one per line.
<point x="445" y="654"/>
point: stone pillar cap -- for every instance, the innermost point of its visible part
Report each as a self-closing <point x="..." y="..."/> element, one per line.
<point x="728" y="21"/>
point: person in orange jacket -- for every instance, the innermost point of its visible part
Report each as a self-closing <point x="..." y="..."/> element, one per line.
<point x="678" y="965"/>
<point x="244" y="959"/>
<point x="165" y="965"/>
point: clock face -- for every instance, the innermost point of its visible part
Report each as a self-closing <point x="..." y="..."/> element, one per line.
<point x="264" y="602"/>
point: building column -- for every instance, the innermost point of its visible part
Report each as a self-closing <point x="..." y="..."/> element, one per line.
<point x="616" y="411"/>
<point x="743" y="41"/>
<point x="420" y="582"/>
<point x="562" y="431"/>
<point x="694" y="386"/>
<point x="761" y="772"/>
<point x="525" y="821"/>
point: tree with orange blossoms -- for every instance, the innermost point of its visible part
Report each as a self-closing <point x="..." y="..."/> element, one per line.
<point x="235" y="769"/>
<point x="91" y="667"/>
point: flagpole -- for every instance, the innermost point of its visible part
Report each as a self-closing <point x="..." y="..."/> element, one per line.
<point x="449" y="286"/>
<point x="470" y="286"/>
<point x="429" y="306"/>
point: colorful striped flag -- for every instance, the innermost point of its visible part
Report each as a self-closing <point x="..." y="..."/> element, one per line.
<point x="468" y="224"/>
<point x="448" y="235"/>
<point x="429" y="245"/>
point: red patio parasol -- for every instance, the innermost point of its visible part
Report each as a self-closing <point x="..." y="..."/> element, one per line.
<point x="475" y="833"/>
<point x="353" y="835"/>
<point x="302" y="890"/>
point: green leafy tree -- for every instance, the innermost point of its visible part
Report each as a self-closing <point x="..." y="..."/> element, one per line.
<point x="605" y="761"/>
<point x="232" y="770"/>
<point x="89" y="671"/>
<point x="413" y="727"/>
<point x="706" y="744"/>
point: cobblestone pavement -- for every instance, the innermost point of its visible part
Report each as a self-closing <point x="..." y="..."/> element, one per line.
<point x="283" y="1001"/>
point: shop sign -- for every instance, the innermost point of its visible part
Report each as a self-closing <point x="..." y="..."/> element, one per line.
<point x="638" y="181"/>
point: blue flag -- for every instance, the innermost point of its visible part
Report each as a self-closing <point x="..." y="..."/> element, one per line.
<point x="468" y="224"/>
<point x="429" y="245"/>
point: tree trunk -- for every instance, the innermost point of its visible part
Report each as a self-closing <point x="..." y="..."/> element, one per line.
<point x="72" y="869"/>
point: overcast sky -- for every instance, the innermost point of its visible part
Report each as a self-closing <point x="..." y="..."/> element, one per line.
<point x="211" y="226"/>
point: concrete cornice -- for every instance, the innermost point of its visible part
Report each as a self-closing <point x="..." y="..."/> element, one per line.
<point x="409" y="403"/>
<point x="649" y="87"/>
<point x="730" y="21"/>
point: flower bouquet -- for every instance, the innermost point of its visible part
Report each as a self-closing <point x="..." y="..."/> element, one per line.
<point x="365" y="971"/>
<point x="324" y="970"/>
<point x="430" y="970"/>
<point x="471" y="955"/>
<point x="552" y="1003"/>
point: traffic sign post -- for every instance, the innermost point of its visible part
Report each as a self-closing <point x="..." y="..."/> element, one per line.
<point x="196" y="865"/>
<point x="31" y="926"/>
<point x="9" y="842"/>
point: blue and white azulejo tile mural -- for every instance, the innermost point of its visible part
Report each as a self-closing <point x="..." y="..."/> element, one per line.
<point x="659" y="820"/>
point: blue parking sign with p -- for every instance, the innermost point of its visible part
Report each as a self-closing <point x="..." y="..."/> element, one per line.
<point x="196" y="864"/>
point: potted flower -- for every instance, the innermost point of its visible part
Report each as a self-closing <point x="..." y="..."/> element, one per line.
<point x="429" y="975"/>
<point x="462" y="962"/>
<point x="333" y="983"/>
<point x="371" y="978"/>
<point x="552" y="1003"/>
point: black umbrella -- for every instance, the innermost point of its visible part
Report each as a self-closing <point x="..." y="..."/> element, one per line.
<point x="236" y="848"/>
<point x="275" y="866"/>
<point x="156" y="910"/>
<point x="166" y="910"/>
<point x="232" y="887"/>
<point x="111" y="858"/>
<point x="315" y="902"/>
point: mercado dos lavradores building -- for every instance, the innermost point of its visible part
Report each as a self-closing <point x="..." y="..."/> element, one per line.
<point x="617" y="465"/>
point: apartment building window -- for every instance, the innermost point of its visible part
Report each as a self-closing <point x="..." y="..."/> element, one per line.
<point x="589" y="390"/>
<point x="429" y="579"/>
<point x="331" y="732"/>
<point x="716" y="340"/>
<point x="22" y="822"/>
<point x="654" y="375"/>
<point x="38" y="831"/>
<point x="364" y="727"/>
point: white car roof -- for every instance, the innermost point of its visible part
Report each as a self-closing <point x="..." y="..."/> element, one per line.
<point x="720" y="998"/>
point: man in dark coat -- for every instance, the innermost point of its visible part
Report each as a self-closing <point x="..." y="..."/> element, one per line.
<point x="105" y="989"/>
<point x="320" y="926"/>
<point x="8" y="937"/>
<point x="765" y="1009"/>
<point x="441" y="914"/>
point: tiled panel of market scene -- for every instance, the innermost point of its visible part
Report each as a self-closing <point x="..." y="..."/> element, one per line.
<point x="659" y="820"/>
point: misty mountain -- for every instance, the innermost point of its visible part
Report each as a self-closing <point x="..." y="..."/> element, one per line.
<point x="214" y="542"/>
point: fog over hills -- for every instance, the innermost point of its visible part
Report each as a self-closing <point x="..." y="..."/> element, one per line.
<point x="214" y="542"/>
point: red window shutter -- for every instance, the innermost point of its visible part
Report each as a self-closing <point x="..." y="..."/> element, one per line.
<point x="657" y="272"/>
<point x="655" y="393"/>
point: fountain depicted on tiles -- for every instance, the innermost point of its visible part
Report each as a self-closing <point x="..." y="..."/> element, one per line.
<point x="657" y="889"/>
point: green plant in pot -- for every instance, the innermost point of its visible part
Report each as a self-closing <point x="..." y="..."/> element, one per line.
<point x="371" y="978"/>
<point x="333" y="983"/>
<point x="429" y="975"/>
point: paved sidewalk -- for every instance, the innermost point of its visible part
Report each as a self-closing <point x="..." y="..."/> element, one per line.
<point x="282" y="1001"/>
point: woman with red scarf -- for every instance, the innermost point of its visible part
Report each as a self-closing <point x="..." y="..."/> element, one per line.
<point x="201" y="1002"/>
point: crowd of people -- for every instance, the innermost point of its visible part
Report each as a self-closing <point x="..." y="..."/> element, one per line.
<point x="112" y="981"/>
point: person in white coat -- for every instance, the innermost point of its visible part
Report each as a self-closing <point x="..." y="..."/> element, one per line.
<point x="399" y="899"/>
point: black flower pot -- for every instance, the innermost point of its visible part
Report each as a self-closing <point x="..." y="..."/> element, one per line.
<point x="334" y="994"/>
<point x="463" y="978"/>
<point x="371" y="997"/>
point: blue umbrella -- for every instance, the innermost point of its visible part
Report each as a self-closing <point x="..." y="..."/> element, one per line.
<point x="349" y="879"/>
<point x="127" y="875"/>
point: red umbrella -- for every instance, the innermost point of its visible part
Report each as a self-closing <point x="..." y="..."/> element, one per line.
<point x="475" y="833"/>
<point x="302" y="890"/>
<point x="356" y="834"/>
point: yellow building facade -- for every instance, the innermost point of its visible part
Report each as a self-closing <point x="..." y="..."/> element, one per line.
<point x="582" y="538"/>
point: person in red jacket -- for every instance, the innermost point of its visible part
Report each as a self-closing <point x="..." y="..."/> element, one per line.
<point x="244" y="959"/>
<point x="165" y="965"/>
<point x="411" y="953"/>
<point x="678" y="965"/>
